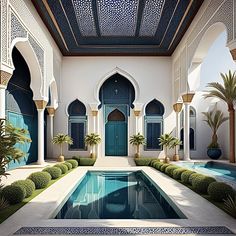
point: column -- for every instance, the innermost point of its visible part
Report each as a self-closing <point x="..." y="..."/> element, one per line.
<point x="4" y="78"/>
<point x="136" y="113"/>
<point x="94" y="114"/>
<point x="40" y="104"/>
<point x="187" y="99"/>
<point x="50" y="133"/>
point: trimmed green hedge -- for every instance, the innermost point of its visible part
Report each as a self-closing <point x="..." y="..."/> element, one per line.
<point x="63" y="167"/>
<point x="220" y="191"/>
<point x="178" y="172"/>
<point x="74" y="163"/>
<point x="69" y="165"/>
<point x="154" y="161"/>
<point x="14" y="194"/>
<point x="54" y="171"/>
<point x="163" y="167"/>
<point x="201" y="183"/>
<point x="170" y="169"/>
<point x="27" y="184"/>
<point x="40" y="179"/>
<point x="145" y="161"/>
<point x="192" y="177"/>
<point x="87" y="161"/>
<point x="185" y="176"/>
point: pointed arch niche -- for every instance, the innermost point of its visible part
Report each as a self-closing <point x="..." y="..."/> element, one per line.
<point x="153" y="119"/>
<point x="77" y="124"/>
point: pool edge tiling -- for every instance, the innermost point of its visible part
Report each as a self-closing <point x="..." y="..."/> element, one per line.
<point x="40" y="210"/>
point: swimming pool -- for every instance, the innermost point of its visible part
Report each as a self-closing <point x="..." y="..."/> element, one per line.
<point x="118" y="195"/>
<point x="214" y="168"/>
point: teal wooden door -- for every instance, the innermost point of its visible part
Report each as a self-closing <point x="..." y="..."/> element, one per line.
<point x="30" y="149"/>
<point x="116" y="138"/>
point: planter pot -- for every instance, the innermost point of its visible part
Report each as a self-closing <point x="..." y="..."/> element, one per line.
<point x="60" y="159"/>
<point x="176" y="157"/>
<point x="166" y="160"/>
<point x="137" y="155"/>
<point x="214" y="153"/>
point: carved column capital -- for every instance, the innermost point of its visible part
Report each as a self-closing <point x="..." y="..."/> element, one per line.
<point x="4" y="77"/>
<point x="40" y="104"/>
<point x="51" y="111"/>
<point x="233" y="54"/>
<point x="137" y="113"/>
<point x="94" y="113"/>
<point x="188" y="97"/>
<point x="178" y="107"/>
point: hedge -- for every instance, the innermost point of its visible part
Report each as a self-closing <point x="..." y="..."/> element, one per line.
<point x="201" y="183"/>
<point x="27" y="184"/>
<point x="14" y="194"/>
<point x="178" y="172"/>
<point x="169" y="170"/>
<point x="144" y="161"/>
<point x="68" y="164"/>
<point x="54" y="171"/>
<point x="63" y="167"/>
<point x="40" y="179"/>
<point x="87" y="161"/>
<point x="73" y="162"/>
<point x="185" y="176"/>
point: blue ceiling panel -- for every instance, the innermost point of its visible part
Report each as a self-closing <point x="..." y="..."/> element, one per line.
<point x="117" y="27"/>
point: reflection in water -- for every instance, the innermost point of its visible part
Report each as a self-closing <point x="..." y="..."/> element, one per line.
<point x="116" y="195"/>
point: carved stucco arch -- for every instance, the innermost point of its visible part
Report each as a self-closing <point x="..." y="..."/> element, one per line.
<point x="53" y="94"/>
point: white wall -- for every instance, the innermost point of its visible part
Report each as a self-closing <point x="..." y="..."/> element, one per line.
<point x="81" y="76"/>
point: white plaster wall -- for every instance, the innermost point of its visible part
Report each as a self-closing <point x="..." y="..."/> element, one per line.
<point x="81" y="75"/>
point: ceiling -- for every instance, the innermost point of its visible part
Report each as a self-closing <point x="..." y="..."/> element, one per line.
<point x="117" y="27"/>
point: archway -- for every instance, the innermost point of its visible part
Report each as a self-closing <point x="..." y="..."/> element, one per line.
<point x="116" y="95"/>
<point x="20" y="108"/>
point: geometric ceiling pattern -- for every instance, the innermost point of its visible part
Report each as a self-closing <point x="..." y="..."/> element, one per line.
<point x="117" y="27"/>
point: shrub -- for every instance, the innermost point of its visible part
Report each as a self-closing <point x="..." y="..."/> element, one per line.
<point x="40" y="179"/>
<point x="220" y="191"/>
<point x="193" y="176"/>
<point x="230" y="206"/>
<point x="153" y="161"/>
<point x="55" y="172"/>
<point x="63" y="167"/>
<point x="142" y="161"/>
<point x="14" y="194"/>
<point x="74" y="163"/>
<point x="201" y="183"/>
<point x="27" y="184"/>
<point x="77" y="158"/>
<point x="68" y="164"/>
<point x="163" y="167"/>
<point x="169" y="170"/>
<point x="177" y="173"/>
<point x="87" y="161"/>
<point x="185" y="176"/>
<point x="157" y="165"/>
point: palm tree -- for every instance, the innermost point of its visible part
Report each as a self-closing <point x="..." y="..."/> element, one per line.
<point x="92" y="140"/>
<point x="174" y="144"/>
<point x="227" y="93"/>
<point x="137" y="140"/>
<point x="165" y="140"/>
<point x="214" y="119"/>
<point x="60" y="139"/>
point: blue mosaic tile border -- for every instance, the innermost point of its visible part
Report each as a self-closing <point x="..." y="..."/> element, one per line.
<point x="122" y="230"/>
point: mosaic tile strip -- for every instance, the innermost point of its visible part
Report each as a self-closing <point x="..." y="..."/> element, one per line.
<point x="151" y="17"/>
<point x="122" y="230"/>
<point x="117" y="17"/>
<point x="84" y="15"/>
<point x="38" y="52"/>
<point x="17" y="29"/>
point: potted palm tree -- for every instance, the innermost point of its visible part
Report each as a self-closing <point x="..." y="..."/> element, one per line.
<point x="60" y="139"/>
<point x="214" y="119"/>
<point x="137" y="140"/>
<point x="227" y="93"/>
<point x="92" y="140"/>
<point x="165" y="140"/>
<point x="175" y="144"/>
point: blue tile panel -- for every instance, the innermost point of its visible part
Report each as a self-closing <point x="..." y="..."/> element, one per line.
<point x="122" y="230"/>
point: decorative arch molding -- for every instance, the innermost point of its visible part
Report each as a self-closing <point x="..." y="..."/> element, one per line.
<point x="153" y="100"/>
<point x="154" y="108"/>
<point x="124" y="74"/>
<point x="80" y="100"/>
<point x="53" y="94"/>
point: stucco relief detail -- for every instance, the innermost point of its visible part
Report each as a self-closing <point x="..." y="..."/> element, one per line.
<point x="4" y="30"/>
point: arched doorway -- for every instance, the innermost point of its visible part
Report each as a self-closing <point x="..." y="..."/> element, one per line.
<point x="20" y="108"/>
<point x="116" y="96"/>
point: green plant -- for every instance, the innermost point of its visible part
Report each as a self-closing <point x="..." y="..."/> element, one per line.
<point x="227" y="93"/>
<point x="185" y="176"/>
<point x="85" y="161"/>
<point x="9" y="137"/>
<point x="170" y="169"/>
<point x="230" y="206"/>
<point x="214" y="119"/>
<point x="74" y="163"/>
<point x="68" y="164"/>
<point x="137" y="140"/>
<point x="27" y="184"/>
<point x="60" y="139"/>
<point x="175" y="144"/>
<point x="219" y="191"/>
<point x="92" y="140"/>
<point x="13" y="194"/>
<point x="178" y="172"/>
<point x="157" y="165"/>
<point x="193" y="176"/>
<point x="143" y="161"/>
<point x="201" y="183"/>
<point x="63" y="167"/>
<point x="54" y="171"/>
<point x="77" y="158"/>
<point x="153" y="161"/>
<point x="165" y="140"/>
<point x="41" y="179"/>
<point x="163" y="167"/>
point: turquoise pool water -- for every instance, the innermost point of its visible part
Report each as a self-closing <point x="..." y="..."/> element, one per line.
<point x="118" y="195"/>
<point x="214" y="168"/>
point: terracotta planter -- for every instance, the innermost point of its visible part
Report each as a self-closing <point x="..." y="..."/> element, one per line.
<point x="176" y="157"/>
<point x="60" y="159"/>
